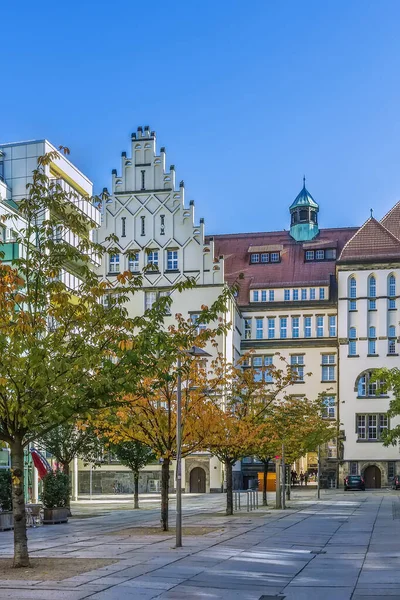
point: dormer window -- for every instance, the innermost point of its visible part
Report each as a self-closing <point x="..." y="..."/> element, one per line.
<point x="318" y="255"/>
<point x="255" y="258"/>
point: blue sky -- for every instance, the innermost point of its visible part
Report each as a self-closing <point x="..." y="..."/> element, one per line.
<point x="246" y="97"/>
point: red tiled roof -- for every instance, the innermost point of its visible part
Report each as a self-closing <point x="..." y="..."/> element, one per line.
<point x="371" y="242"/>
<point x="292" y="270"/>
<point x="392" y="220"/>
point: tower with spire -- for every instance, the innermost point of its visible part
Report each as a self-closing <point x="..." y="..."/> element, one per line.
<point x="304" y="216"/>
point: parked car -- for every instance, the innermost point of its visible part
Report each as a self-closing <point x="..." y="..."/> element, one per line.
<point x="354" y="482"/>
<point x="396" y="482"/>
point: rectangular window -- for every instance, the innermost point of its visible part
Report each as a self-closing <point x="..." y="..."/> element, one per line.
<point x="328" y="373"/>
<point x="353" y="305"/>
<point x="307" y="327"/>
<point x="263" y="295"/>
<point x="391" y="467"/>
<point x="371" y="347"/>
<point x="150" y="298"/>
<point x="271" y="295"/>
<point x="295" y="327"/>
<point x="371" y="304"/>
<point x="247" y="329"/>
<point x="275" y="256"/>
<point x="268" y="362"/>
<point x="133" y="262"/>
<point x="283" y="327"/>
<point x="320" y="255"/>
<point x="352" y="348"/>
<point x="257" y="367"/>
<point x="361" y="427"/>
<point x="330" y="253"/>
<point x="297" y="365"/>
<point x="152" y="258"/>
<point x="167" y="308"/>
<point x="353" y="468"/>
<point x="114" y="263"/>
<point x="312" y="293"/>
<point x="320" y="326"/>
<point x="264" y="258"/>
<point x="392" y="304"/>
<point x="329" y="410"/>
<point x="372" y="427"/>
<point x="383" y="424"/>
<point x="255" y="296"/>
<point x="286" y="295"/>
<point x="199" y="326"/>
<point x="271" y="328"/>
<point x="322" y="293"/>
<point x="295" y="294"/>
<point x="172" y="260"/>
<point x="304" y="294"/>
<point x="309" y="254"/>
<point x="392" y="346"/>
<point x="328" y="359"/>
<point x="254" y="258"/>
<point x="259" y="329"/>
<point x="332" y="326"/>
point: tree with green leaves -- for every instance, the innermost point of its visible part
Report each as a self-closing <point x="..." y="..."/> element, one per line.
<point x="135" y="456"/>
<point x="64" y="353"/>
<point x="388" y="380"/>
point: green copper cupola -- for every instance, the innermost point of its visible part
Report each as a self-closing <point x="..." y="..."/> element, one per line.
<point x="304" y="216"/>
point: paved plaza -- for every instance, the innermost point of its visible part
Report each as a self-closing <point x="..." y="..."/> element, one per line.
<point x="345" y="546"/>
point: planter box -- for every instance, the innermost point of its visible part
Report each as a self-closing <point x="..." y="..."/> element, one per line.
<point x="55" y="515"/>
<point x="6" y="521"/>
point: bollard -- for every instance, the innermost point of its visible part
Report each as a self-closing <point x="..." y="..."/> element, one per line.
<point x="248" y="509"/>
<point x="256" y="493"/>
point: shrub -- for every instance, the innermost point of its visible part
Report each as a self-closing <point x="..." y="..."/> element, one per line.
<point x="5" y="490"/>
<point x="55" y="490"/>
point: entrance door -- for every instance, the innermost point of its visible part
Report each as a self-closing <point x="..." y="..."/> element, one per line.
<point x="198" y="480"/>
<point x="372" y="477"/>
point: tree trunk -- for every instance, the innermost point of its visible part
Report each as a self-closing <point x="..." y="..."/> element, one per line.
<point x="21" y="556"/>
<point x="265" y="481"/>
<point x="136" y="483"/>
<point x="229" y="487"/>
<point x="164" y="493"/>
<point x="66" y="470"/>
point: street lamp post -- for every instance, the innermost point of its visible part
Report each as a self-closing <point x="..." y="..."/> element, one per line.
<point x="195" y="352"/>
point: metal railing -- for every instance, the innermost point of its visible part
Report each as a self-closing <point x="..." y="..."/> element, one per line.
<point x="251" y="499"/>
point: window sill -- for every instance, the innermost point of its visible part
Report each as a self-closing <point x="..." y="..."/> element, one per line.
<point x="112" y="273"/>
<point x="371" y="397"/>
<point x="392" y="308"/>
<point x="172" y="271"/>
<point x="297" y="381"/>
<point x="328" y="381"/>
<point x="392" y="354"/>
<point x="155" y="271"/>
<point x="372" y="310"/>
<point x="353" y="356"/>
<point x="353" y="310"/>
<point x="369" y="442"/>
<point x="372" y="355"/>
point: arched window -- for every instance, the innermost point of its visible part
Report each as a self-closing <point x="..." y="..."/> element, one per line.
<point x="372" y="340"/>
<point x="366" y="387"/>
<point x="392" y="292"/>
<point x="352" y="293"/>
<point x="352" y="341"/>
<point x="372" y="293"/>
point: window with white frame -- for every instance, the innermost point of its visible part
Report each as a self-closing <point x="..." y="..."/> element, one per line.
<point x="309" y="254"/>
<point x="392" y="292"/>
<point x="322" y="293"/>
<point x="371" y="340"/>
<point x="256" y="296"/>
<point x="329" y="407"/>
<point x="172" y="260"/>
<point x="133" y="262"/>
<point x="247" y="329"/>
<point x="166" y="293"/>
<point x="312" y="293"/>
<point x="275" y="257"/>
<point x="353" y="468"/>
<point x="371" y="427"/>
<point x="372" y="293"/>
<point x="352" y="341"/>
<point x="295" y="294"/>
<point x="150" y="298"/>
<point x="268" y="362"/>
<point x="152" y="258"/>
<point x="319" y="255"/>
<point x="328" y="367"/>
<point x="263" y="295"/>
<point x="307" y="327"/>
<point x="271" y="328"/>
<point x="113" y="266"/>
<point x="259" y="329"/>
<point x="297" y="366"/>
<point x="320" y="326"/>
<point x="332" y="325"/>
<point x="271" y="295"/>
<point x="304" y="294"/>
<point x="194" y="317"/>
<point x="265" y="257"/>
<point x="391" y="339"/>
<point x="295" y="327"/>
<point x="261" y="366"/>
<point x="254" y="258"/>
<point x="368" y="387"/>
<point x="283" y="327"/>
<point x="286" y="295"/>
<point x="352" y="293"/>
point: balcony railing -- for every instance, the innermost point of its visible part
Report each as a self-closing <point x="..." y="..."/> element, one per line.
<point x="67" y="236"/>
<point x="82" y="204"/>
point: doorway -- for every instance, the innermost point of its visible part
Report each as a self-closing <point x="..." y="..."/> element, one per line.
<point x="372" y="477"/>
<point x="198" y="480"/>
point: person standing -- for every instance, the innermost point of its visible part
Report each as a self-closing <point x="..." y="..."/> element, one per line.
<point x="301" y="477"/>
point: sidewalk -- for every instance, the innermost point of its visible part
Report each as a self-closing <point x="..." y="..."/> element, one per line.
<point x="345" y="546"/>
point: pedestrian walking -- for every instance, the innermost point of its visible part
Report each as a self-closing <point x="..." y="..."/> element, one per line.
<point x="301" y="477"/>
<point x="306" y="478"/>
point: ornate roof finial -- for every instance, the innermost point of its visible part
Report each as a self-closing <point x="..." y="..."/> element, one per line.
<point x="372" y="212"/>
<point x="304" y="181"/>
